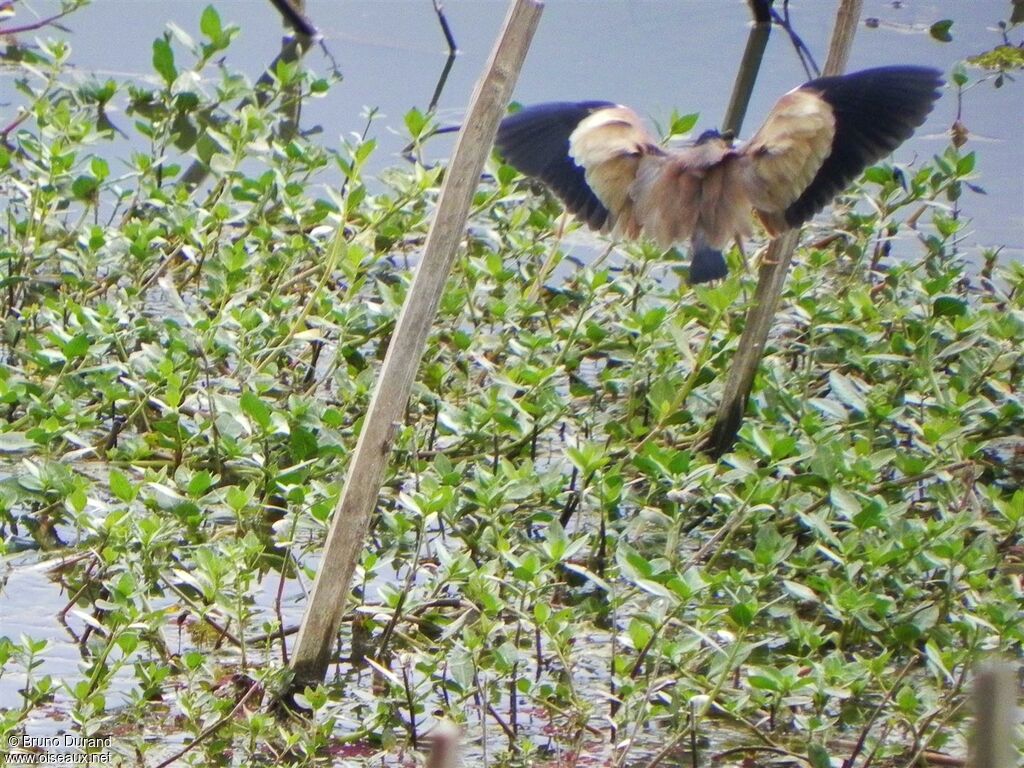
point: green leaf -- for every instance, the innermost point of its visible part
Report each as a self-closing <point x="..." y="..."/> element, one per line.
<point x="682" y="124"/>
<point x="949" y="306"/>
<point x="415" y="122"/>
<point x="587" y="574"/>
<point x="84" y="187"/>
<point x="640" y="633"/>
<point x="818" y="756"/>
<point x="256" y="409"/>
<point x="100" y="168"/>
<point x="122" y="487"/>
<point x="631" y="563"/>
<point x="743" y="613"/>
<point x="765" y="679"/>
<point x="200" y="483"/>
<point x="77" y="347"/>
<point x="209" y="23"/>
<point x="799" y="591"/>
<point x="238" y="498"/>
<point x="845" y="502"/>
<point x="588" y="458"/>
<point x="303" y="444"/>
<point x="878" y="174"/>
<point x="940" y="30"/>
<point x="128" y="642"/>
<point x="163" y="60"/>
<point x="662" y="395"/>
<point x="829" y="408"/>
<point x="846" y="392"/>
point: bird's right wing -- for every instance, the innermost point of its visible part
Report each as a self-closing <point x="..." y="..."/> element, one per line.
<point x="820" y="136"/>
<point x="586" y="152"/>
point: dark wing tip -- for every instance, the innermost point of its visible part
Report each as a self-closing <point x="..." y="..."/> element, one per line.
<point x="535" y="141"/>
<point x="875" y="111"/>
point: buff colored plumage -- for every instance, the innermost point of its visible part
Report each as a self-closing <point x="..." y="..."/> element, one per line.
<point x="610" y="171"/>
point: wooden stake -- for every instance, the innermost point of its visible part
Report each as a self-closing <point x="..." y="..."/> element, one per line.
<point x="772" y="276"/>
<point x="352" y="514"/>
<point x="996" y="716"/>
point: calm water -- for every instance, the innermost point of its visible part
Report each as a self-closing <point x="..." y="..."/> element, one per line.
<point x="653" y="55"/>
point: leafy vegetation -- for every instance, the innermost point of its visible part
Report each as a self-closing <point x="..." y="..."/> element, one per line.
<point x="189" y="354"/>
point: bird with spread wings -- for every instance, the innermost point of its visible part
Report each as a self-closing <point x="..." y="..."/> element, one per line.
<point x="611" y="172"/>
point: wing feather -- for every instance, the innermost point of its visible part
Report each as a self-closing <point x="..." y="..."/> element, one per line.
<point x="819" y="137"/>
<point x="586" y="152"/>
<point x="783" y="157"/>
<point x="610" y="145"/>
<point x="535" y="140"/>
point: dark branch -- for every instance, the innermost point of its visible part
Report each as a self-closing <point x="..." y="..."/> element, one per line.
<point x="762" y="10"/>
<point x="295" y="19"/>
<point x="750" y="65"/>
<point x="448" y="36"/>
<point x="49" y="21"/>
<point x="802" y="51"/>
<point x="453" y="49"/>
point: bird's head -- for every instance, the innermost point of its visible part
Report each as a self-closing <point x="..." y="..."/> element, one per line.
<point x="725" y="137"/>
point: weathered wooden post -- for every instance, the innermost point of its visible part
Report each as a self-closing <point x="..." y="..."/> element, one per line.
<point x="996" y="716"/>
<point x="352" y="514"/>
<point x="772" y="276"/>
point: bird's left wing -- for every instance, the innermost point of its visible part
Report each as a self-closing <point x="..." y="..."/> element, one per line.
<point x="820" y="136"/>
<point x="586" y="152"/>
<point x="610" y="146"/>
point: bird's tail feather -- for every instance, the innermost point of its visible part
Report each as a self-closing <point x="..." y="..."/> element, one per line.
<point x="706" y="264"/>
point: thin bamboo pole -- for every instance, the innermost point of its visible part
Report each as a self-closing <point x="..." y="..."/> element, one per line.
<point x="772" y="276"/>
<point x="352" y="514"/>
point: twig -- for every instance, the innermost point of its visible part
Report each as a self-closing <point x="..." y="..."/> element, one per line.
<point x="453" y="47"/>
<point x="802" y="51"/>
<point x="862" y="738"/>
<point x="6" y="130"/>
<point x="441" y="82"/>
<point x="509" y="733"/>
<point x="207" y="733"/>
<point x="39" y="24"/>
<point x="453" y="50"/>
<point x="396" y="614"/>
<point x="202" y="614"/>
<point x="665" y="751"/>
